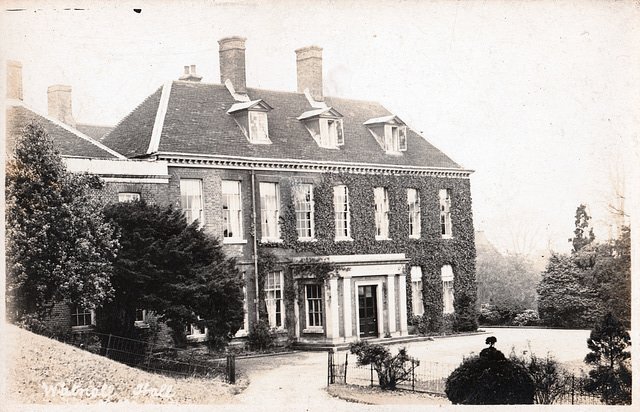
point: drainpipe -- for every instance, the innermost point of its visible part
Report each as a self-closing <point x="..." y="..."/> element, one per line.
<point x="255" y="241"/>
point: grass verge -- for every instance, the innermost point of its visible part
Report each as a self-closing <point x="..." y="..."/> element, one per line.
<point x="375" y="396"/>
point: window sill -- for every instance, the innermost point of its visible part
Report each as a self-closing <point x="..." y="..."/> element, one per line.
<point x="230" y="241"/>
<point x="382" y="238"/>
<point x="447" y="236"/>
<point x="307" y="239"/>
<point x="343" y="239"/>
<point x="141" y="324"/>
<point x="414" y="236"/>
<point x="313" y="330"/>
<point x="82" y="328"/>
<point x="272" y="240"/>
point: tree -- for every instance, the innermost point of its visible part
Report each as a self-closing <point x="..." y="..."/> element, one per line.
<point x="611" y="377"/>
<point x="581" y="237"/>
<point x="391" y="370"/>
<point x="59" y="249"/>
<point x="174" y="270"/>
<point x="490" y="379"/>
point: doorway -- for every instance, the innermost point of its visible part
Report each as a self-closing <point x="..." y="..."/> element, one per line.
<point x="368" y="311"/>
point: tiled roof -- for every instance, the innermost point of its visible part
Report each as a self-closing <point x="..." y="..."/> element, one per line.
<point x="69" y="141"/>
<point x="93" y="130"/>
<point x="196" y="122"/>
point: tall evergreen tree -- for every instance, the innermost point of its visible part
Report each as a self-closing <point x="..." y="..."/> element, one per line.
<point x="583" y="234"/>
<point x="59" y="249"/>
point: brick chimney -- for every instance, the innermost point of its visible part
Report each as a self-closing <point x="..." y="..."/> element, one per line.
<point x="14" y="80"/>
<point x="59" y="99"/>
<point x="190" y="74"/>
<point x="309" y="64"/>
<point x="232" y="65"/>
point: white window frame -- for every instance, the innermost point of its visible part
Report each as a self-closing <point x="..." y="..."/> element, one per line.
<point x="417" y="298"/>
<point x="143" y="322"/>
<point x="242" y="332"/>
<point x="270" y="211"/>
<point x="445" y="213"/>
<point x="447" y="289"/>
<point x="413" y="206"/>
<point x="274" y="298"/>
<point x="341" y="212"/>
<point x="395" y="138"/>
<point x="258" y="127"/>
<point x="232" y="211"/>
<point x="331" y="133"/>
<point x="191" y="200"/>
<point x="77" y="312"/>
<point x="195" y="333"/>
<point x="308" y="306"/>
<point x="124" y="197"/>
<point x="304" y="207"/>
<point x="381" y="196"/>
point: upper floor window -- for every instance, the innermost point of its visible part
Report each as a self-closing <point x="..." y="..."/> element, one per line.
<point x="395" y="138"/>
<point x="390" y="133"/>
<point x="251" y="116"/>
<point x="124" y="197"/>
<point x="273" y="299"/>
<point x="258" y="127"/>
<point x="413" y="204"/>
<point x="303" y="199"/>
<point x="191" y="199"/>
<point x="325" y="126"/>
<point x="382" y="212"/>
<point x="313" y="300"/>
<point x="81" y="316"/>
<point x="416" y="291"/>
<point x="341" y="212"/>
<point x="447" y="289"/>
<point x="445" y="213"/>
<point x="269" y="211"/>
<point x="231" y="210"/>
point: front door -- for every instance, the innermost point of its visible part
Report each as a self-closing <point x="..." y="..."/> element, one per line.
<point x="368" y="311"/>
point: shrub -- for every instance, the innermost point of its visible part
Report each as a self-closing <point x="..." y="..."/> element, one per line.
<point x="260" y="336"/>
<point x="549" y="377"/>
<point x="391" y="370"/>
<point x="527" y="318"/>
<point x="490" y="379"/>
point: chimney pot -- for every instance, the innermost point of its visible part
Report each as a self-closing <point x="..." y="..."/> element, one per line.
<point x="186" y="69"/>
<point x="309" y="65"/>
<point x="190" y="74"/>
<point x="193" y="68"/>
<point x="14" y="80"/>
<point x="232" y="62"/>
<point x="59" y="102"/>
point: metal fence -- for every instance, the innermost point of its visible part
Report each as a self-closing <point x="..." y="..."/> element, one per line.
<point x="155" y="358"/>
<point x="431" y="377"/>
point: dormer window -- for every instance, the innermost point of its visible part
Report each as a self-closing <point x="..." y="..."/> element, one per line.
<point x="390" y="133"/>
<point x="325" y="126"/>
<point x="251" y="116"/>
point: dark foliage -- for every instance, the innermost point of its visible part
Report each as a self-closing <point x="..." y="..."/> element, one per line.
<point x="173" y="269"/>
<point x="391" y="370"/>
<point x="611" y="378"/>
<point x="549" y="377"/>
<point x="59" y="249"/>
<point x="260" y="336"/>
<point x="490" y="379"/>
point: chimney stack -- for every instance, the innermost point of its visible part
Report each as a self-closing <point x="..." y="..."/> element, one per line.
<point x="232" y="65"/>
<point x="14" y="80"/>
<point x="309" y="64"/>
<point x="59" y="99"/>
<point x="190" y="74"/>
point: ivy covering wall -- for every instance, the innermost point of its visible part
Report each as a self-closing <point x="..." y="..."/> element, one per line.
<point x="430" y="251"/>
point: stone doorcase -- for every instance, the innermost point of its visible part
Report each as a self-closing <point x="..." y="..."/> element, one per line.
<point x="380" y="280"/>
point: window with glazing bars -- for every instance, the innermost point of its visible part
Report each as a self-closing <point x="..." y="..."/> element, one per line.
<point x="273" y="299"/>
<point x="447" y="289"/>
<point x="191" y="199"/>
<point x="413" y="203"/>
<point x="269" y="211"/>
<point x="303" y="197"/>
<point x="81" y="316"/>
<point x="382" y="212"/>
<point x="341" y="210"/>
<point x="314" y="305"/>
<point x="445" y="212"/>
<point x="231" y="210"/>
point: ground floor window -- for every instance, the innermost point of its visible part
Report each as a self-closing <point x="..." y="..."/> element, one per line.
<point x="141" y="318"/>
<point x="416" y="291"/>
<point x="313" y="298"/>
<point x="273" y="299"/>
<point x="81" y="316"/>
<point x="447" y="289"/>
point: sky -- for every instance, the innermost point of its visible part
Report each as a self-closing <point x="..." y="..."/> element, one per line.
<point x="540" y="98"/>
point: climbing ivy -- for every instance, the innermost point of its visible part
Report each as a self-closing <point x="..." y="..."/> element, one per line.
<point x="430" y="251"/>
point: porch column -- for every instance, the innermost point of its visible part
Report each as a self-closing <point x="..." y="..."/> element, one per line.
<point x="348" y="327"/>
<point x="403" y="304"/>
<point x="296" y="310"/>
<point x="391" y="301"/>
<point x="333" y="316"/>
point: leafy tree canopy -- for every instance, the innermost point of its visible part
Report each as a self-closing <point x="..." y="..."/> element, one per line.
<point x="58" y="246"/>
<point x="173" y="269"/>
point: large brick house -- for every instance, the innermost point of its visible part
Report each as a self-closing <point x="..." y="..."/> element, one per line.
<point x="304" y="179"/>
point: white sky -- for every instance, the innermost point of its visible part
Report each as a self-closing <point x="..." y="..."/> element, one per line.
<point x="540" y="98"/>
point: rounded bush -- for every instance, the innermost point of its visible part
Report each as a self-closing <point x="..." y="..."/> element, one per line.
<point x="490" y="379"/>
